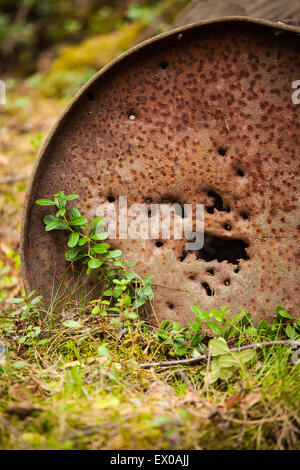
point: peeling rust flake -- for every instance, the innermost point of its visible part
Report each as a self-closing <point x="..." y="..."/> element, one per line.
<point x="199" y="115"/>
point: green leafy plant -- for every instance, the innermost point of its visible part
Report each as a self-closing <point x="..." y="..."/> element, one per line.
<point x="123" y="292"/>
<point x="180" y="340"/>
<point x="195" y="338"/>
<point x="29" y="314"/>
<point x="37" y="140"/>
<point x="225" y="361"/>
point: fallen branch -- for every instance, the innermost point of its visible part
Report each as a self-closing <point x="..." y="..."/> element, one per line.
<point x="195" y="360"/>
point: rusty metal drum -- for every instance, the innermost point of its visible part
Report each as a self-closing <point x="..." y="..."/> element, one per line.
<point x="202" y="115"/>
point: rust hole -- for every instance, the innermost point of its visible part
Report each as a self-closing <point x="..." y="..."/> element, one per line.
<point x="171" y="305"/>
<point x="217" y="203"/>
<point x="244" y="215"/>
<point x="207" y="288"/>
<point x="211" y="271"/>
<point x="159" y="243"/>
<point x="192" y="277"/>
<point x="227" y="282"/>
<point x="222" y="249"/>
<point x="183" y="255"/>
<point x="91" y="95"/>
<point x="111" y="199"/>
<point x="240" y="172"/>
<point x="164" y="65"/>
<point x="227" y="226"/>
<point x="222" y="151"/>
<point x="131" y="117"/>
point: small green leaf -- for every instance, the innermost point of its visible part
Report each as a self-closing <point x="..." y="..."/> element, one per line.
<point x="73" y="239"/>
<point x="148" y="279"/>
<point x="96" y="221"/>
<point x="197" y="311"/>
<point x="130" y="315"/>
<point x="19" y="365"/>
<point x="74" y="213"/>
<point x="147" y="290"/>
<point x="94" y="263"/>
<point x="78" y="221"/>
<point x="70" y="197"/>
<point x="83" y="241"/>
<point x="72" y="324"/>
<point x="290" y="332"/>
<point x="107" y="293"/>
<point x="246" y="355"/>
<point x="104" y="351"/>
<point x="43" y="341"/>
<point x="45" y="202"/>
<point x="218" y="346"/>
<point x="225" y="373"/>
<point x="113" y="254"/>
<point x="176" y="326"/>
<point x="71" y="254"/>
<point x="100" y="236"/>
<point x="196" y="339"/>
<point x="213" y="327"/>
<point x="282" y="313"/>
<point x="16" y="300"/>
<point x="129" y="275"/>
<point x="117" y="291"/>
<point x="139" y="302"/>
<point x="53" y="223"/>
<point x="100" y="248"/>
<point x="36" y="300"/>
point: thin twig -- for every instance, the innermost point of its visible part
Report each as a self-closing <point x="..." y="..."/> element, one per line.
<point x="195" y="360"/>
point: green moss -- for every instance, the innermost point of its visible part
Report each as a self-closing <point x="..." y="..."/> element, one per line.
<point x="78" y="63"/>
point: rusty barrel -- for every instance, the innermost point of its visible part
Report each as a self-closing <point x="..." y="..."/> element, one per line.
<point x="203" y="114"/>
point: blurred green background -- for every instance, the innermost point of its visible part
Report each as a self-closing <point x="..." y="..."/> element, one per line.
<point x="61" y="43"/>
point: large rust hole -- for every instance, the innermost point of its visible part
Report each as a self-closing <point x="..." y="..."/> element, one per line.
<point x="220" y="249"/>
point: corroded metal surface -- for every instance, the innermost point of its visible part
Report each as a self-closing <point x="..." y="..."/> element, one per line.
<point x="214" y="124"/>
